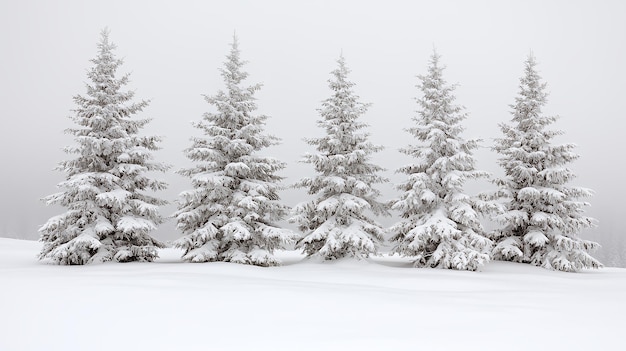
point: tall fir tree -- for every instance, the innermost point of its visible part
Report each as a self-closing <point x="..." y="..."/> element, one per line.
<point x="542" y="216"/>
<point x="338" y="223"/>
<point x="440" y="225"/>
<point x="110" y="211"/>
<point x="231" y="213"/>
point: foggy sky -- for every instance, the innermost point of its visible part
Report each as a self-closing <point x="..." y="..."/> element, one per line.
<point x="174" y="49"/>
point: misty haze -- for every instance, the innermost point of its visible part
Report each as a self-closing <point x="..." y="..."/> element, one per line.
<point x="381" y="57"/>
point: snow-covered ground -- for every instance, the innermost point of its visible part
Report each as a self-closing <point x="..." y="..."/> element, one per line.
<point x="383" y="304"/>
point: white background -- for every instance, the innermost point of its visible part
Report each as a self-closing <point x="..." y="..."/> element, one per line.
<point x="174" y="50"/>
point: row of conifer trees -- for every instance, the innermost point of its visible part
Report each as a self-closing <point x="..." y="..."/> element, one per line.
<point x="231" y="212"/>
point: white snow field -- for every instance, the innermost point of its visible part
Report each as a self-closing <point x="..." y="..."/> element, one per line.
<point x="382" y="304"/>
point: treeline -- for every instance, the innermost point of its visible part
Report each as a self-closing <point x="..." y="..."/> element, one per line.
<point x="232" y="211"/>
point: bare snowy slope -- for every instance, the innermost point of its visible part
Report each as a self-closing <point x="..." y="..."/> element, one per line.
<point x="379" y="305"/>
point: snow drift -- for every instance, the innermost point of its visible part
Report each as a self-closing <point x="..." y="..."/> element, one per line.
<point x="380" y="304"/>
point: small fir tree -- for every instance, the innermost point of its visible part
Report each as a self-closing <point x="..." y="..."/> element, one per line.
<point x="440" y="225"/>
<point x="231" y="212"/>
<point x="109" y="214"/>
<point x="542" y="216"/>
<point x="338" y="223"/>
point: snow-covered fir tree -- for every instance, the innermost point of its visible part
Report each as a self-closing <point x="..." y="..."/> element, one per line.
<point x="440" y="224"/>
<point x="338" y="222"/>
<point x="542" y="216"/>
<point x="110" y="211"/>
<point x="231" y="213"/>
